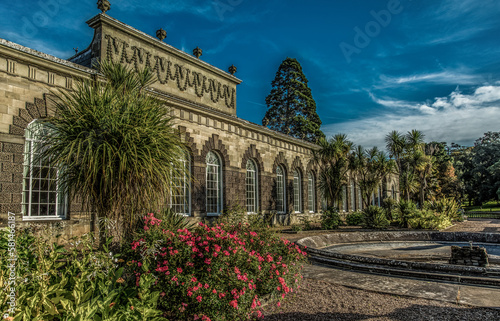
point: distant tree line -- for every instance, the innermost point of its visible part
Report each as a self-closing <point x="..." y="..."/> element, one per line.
<point x="478" y="168"/>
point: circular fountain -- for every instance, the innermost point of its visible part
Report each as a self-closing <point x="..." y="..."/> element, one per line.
<point x="419" y="254"/>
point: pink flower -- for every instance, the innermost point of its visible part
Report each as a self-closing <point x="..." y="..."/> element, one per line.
<point x="234" y="304"/>
<point x="179" y="270"/>
<point x="199" y="298"/>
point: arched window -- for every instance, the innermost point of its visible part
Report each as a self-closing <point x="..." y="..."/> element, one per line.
<point x="297" y="192"/>
<point x="344" y="198"/>
<point x="360" y="198"/>
<point x="379" y="196"/>
<point x="180" y="194"/>
<point x="353" y="196"/>
<point x="252" y="184"/>
<point x="393" y="193"/>
<point x="214" y="184"/>
<point x="280" y="190"/>
<point x="42" y="196"/>
<point x="311" y="193"/>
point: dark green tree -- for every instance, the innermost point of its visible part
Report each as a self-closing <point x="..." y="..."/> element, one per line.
<point x="291" y="107"/>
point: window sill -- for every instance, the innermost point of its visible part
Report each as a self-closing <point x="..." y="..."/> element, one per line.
<point x="43" y="218"/>
<point x="213" y="214"/>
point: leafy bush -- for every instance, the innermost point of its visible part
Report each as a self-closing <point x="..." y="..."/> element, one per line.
<point x="405" y="211"/>
<point x="374" y="217"/>
<point x="435" y="215"/>
<point x="215" y="273"/>
<point x="446" y="206"/>
<point x="78" y="283"/>
<point x="428" y="219"/>
<point x="354" y="218"/>
<point x="330" y="219"/>
<point x="389" y="205"/>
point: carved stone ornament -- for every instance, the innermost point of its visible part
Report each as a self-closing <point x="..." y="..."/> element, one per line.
<point x="197" y="52"/>
<point x="232" y="69"/>
<point x="103" y="5"/>
<point x="161" y="34"/>
<point x="167" y="71"/>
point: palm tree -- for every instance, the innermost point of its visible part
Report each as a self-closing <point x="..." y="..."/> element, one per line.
<point x="332" y="159"/>
<point x="115" y="145"/>
<point x="370" y="168"/>
<point x="395" y="144"/>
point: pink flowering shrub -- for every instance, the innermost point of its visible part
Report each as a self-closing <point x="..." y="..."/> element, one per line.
<point x="216" y="273"/>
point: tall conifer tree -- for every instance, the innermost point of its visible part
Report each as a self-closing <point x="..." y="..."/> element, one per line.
<point x="291" y="107"/>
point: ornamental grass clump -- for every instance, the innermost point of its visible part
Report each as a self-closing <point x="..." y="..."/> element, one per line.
<point x="215" y="273"/>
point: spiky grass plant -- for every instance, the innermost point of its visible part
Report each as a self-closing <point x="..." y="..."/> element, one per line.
<point x="114" y="144"/>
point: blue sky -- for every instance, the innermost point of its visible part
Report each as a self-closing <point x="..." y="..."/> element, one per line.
<point x="373" y="65"/>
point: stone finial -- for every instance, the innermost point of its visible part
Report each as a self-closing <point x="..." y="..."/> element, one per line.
<point x="197" y="52"/>
<point x="232" y="69"/>
<point x="103" y="5"/>
<point x="161" y="34"/>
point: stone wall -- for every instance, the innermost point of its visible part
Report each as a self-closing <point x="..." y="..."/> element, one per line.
<point x="469" y="256"/>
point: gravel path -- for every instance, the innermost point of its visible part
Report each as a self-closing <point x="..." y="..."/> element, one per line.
<point x="476" y="225"/>
<point x="320" y="300"/>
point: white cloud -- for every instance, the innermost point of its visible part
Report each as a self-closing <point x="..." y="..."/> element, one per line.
<point x="458" y="118"/>
<point x="459" y="77"/>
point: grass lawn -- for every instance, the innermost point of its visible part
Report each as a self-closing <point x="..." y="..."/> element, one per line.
<point x="492" y="206"/>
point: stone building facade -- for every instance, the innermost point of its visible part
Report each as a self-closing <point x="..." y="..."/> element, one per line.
<point x="232" y="161"/>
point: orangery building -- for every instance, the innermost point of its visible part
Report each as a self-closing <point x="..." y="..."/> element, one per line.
<point x="232" y="161"/>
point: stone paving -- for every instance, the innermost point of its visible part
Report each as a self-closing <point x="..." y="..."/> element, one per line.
<point x="480" y="296"/>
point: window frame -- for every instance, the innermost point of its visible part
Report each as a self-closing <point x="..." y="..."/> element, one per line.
<point x="280" y="184"/>
<point x="297" y="191"/>
<point x="34" y="136"/>
<point x="311" y="193"/>
<point x="218" y="183"/>
<point x="254" y="188"/>
<point x="186" y="189"/>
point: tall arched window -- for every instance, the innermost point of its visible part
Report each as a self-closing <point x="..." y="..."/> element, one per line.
<point x="252" y="184"/>
<point x="393" y="193"/>
<point x="311" y="193"/>
<point x="280" y="190"/>
<point x="214" y="184"/>
<point x="297" y="192"/>
<point x="180" y="194"/>
<point x="353" y="196"/>
<point x="42" y="196"/>
<point x="344" y="198"/>
<point x="360" y="198"/>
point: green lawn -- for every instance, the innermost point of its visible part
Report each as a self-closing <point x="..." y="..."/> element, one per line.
<point x="492" y="206"/>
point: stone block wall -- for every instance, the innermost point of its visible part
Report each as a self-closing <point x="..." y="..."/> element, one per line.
<point x="469" y="256"/>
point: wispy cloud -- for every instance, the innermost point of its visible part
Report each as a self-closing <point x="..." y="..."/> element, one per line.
<point x="456" y="77"/>
<point x="459" y="118"/>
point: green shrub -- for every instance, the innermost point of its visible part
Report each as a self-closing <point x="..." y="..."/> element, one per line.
<point x="374" y="217"/>
<point x="330" y="219"/>
<point x="405" y="210"/>
<point x="355" y="218"/>
<point x="73" y="283"/>
<point x="215" y="273"/>
<point x="390" y="205"/>
<point x="446" y="206"/>
<point x="306" y="223"/>
<point x="428" y="219"/>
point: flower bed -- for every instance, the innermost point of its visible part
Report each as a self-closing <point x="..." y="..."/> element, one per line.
<point x="216" y="273"/>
